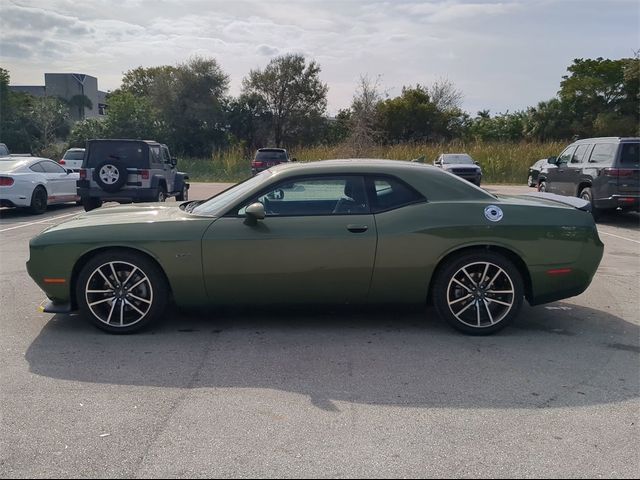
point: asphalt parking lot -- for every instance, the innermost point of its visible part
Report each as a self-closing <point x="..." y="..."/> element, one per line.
<point x="324" y="393"/>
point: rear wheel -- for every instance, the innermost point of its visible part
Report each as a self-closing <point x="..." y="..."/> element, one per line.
<point x="162" y="194"/>
<point x="91" y="203"/>
<point x="121" y="291"/>
<point x="542" y="186"/>
<point x="478" y="293"/>
<point x="38" y="200"/>
<point x="587" y="195"/>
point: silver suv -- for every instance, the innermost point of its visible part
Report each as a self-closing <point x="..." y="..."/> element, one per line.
<point x="128" y="171"/>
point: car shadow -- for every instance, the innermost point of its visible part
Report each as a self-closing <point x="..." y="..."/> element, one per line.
<point x="554" y="356"/>
<point x="25" y="214"/>
<point x="629" y="220"/>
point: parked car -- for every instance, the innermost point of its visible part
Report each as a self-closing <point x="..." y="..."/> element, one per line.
<point x="128" y="171"/>
<point x="536" y="169"/>
<point x="332" y="232"/>
<point x="35" y="183"/>
<point x="604" y="171"/>
<point x="462" y="165"/>
<point x="269" y="157"/>
<point x="72" y="159"/>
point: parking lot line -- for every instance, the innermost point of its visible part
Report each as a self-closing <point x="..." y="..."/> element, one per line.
<point x="618" y="236"/>
<point x="36" y="223"/>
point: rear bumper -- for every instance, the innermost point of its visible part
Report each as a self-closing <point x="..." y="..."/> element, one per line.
<point x="137" y="194"/>
<point x="14" y="200"/>
<point x="630" y="202"/>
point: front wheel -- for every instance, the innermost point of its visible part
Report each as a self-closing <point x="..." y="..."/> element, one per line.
<point x="183" y="195"/>
<point x="542" y="186"/>
<point x="478" y="293"/>
<point x="530" y="181"/>
<point x="121" y="291"/>
<point x="162" y="195"/>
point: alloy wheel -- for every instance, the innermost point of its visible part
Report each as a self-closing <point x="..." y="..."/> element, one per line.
<point x="109" y="174"/>
<point x="480" y="294"/>
<point x="119" y="294"/>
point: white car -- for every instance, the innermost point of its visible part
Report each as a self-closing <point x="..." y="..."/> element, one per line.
<point x="34" y="183"/>
<point x="72" y="159"/>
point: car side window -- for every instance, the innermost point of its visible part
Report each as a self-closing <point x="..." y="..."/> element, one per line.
<point x="389" y="193"/>
<point x="566" y="156"/>
<point x="603" y="153"/>
<point x="166" y="158"/>
<point x="311" y="196"/>
<point x="37" y="167"/>
<point x="578" y="156"/>
<point x="52" y="167"/>
<point x="630" y="154"/>
<point x="154" y="150"/>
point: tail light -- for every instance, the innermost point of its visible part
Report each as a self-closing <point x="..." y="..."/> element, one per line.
<point x="257" y="164"/>
<point x="6" y="181"/>
<point x="617" y="172"/>
<point x="62" y="162"/>
<point x="145" y="174"/>
<point x="83" y="174"/>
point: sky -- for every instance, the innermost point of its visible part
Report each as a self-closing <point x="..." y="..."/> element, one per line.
<point x="503" y="56"/>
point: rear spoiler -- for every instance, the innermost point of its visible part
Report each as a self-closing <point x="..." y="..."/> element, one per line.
<point x="574" y="202"/>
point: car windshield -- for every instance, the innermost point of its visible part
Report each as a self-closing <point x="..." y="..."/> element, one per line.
<point x="131" y="153"/>
<point x="461" y="158"/>
<point x="218" y="204"/>
<point x="74" y="155"/>
<point x="271" y="155"/>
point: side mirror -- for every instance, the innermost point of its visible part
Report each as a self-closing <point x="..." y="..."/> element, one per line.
<point x="174" y="161"/>
<point x="552" y="160"/>
<point x="476" y="162"/>
<point x="255" y="212"/>
<point x="437" y="162"/>
<point x="69" y="171"/>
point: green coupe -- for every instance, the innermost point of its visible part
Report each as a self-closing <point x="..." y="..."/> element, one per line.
<point x="337" y="232"/>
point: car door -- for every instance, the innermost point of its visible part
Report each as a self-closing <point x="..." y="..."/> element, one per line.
<point x="557" y="177"/>
<point x="573" y="170"/>
<point x="169" y="169"/>
<point x="61" y="186"/>
<point x="316" y="244"/>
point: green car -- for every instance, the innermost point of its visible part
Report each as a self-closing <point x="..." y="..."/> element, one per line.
<point x="330" y="232"/>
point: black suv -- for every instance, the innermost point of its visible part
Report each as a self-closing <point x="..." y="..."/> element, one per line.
<point x="128" y="171"/>
<point x="268" y="157"/>
<point x="604" y="171"/>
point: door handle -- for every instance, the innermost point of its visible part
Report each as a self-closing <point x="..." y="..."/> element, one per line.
<point x="357" y="228"/>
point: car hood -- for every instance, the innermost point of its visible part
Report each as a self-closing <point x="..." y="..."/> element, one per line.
<point x="145" y="213"/>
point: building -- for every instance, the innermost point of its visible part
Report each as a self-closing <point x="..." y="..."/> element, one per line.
<point x="67" y="86"/>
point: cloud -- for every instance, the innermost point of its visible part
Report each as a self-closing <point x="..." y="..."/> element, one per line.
<point x="267" y="50"/>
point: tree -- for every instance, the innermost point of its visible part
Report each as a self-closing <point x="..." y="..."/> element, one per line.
<point x="445" y="96"/>
<point x="249" y="120"/>
<point x="601" y="88"/>
<point x="364" y="113"/>
<point x="292" y="90"/>
<point x="410" y="117"/>
<point x="130" y="117"/>
<point x="48" y="114"/>
<point x="86" y="130"/>
<point x="79" y="103"/>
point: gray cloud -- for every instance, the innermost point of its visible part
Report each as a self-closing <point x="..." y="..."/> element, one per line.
<point x="267" y="50"/>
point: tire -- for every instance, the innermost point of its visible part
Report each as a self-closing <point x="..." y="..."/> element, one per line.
<point x="542" y="186"/>
<point x="485" y="311"/>
<point x="38" y="200"/>
<point x="161" y="196"/>
<point x="183" y="195"/>
<point x="587" y="195"/>
<point x="109" y="305"/>
<point x="110" y="175"/>
<point x="91" y="203"/>
<point x="530" y="181"/>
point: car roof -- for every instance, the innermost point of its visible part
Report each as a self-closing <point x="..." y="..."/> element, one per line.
<point x="132" y="140"/>
<point x="272" y="150"/>
<point x="75" y="149"/>
<point x="8" y="164"/>
<point x="606" y="140"/>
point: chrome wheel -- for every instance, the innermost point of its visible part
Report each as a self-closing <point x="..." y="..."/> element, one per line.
<point x="119" y="294"/>
<point x="109" y="174"/>
<point x="480" y="294"/>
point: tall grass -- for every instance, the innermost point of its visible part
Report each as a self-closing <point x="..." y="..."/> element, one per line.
<point x="501" y="162"/>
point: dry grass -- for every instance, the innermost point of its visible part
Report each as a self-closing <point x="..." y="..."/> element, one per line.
<point x="506" y="163"/>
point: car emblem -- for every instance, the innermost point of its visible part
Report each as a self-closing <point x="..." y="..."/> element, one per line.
<point x="493" y="213"/>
